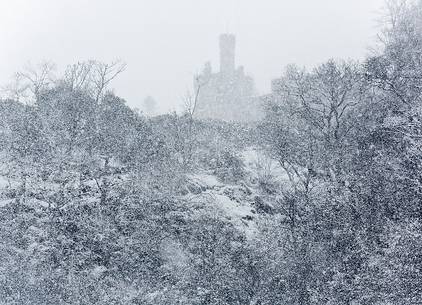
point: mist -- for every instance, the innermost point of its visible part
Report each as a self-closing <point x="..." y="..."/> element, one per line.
<point x="165" y="43"/>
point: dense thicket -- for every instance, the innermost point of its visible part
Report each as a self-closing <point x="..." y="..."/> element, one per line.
<point x="348" y="134"/>
<point x="94" y="207"/>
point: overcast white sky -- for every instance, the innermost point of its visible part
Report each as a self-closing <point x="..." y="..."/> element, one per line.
<point x="164" y="42"/>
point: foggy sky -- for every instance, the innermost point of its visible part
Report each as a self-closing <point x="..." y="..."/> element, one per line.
<point x="165" y="42"/>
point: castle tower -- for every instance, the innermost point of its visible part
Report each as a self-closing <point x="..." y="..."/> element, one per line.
<point x="227" y="49"/>
<point x="229" y="94"/>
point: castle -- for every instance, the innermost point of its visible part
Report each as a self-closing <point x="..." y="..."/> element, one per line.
<point x="229" y="94"/>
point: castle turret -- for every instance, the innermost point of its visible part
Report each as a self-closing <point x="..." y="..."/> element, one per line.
<point x="227" y="51"/>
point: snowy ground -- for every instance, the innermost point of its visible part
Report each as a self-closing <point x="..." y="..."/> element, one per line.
<point x="235" y="203"/>
<point x="259" y="164"/>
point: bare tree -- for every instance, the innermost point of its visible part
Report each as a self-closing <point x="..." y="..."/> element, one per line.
<point x="104" y="74"/>
<point x="320" y="104"/>
<point x="190" y="105"/>
<point x="38" y="77"/>
<point x="191" y="98"/>
<point x="79" y="75"/>
<point x="16" y="89"/>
